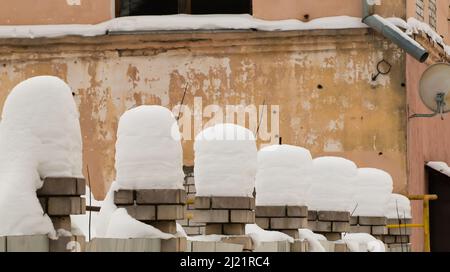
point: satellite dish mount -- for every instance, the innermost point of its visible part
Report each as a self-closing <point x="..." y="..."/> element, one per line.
<point x="434" y="90"/>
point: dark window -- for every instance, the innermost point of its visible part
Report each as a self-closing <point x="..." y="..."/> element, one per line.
<point x="221" y="6"/>
<point x="148" y="7"/>
<point x="165" y="7"/>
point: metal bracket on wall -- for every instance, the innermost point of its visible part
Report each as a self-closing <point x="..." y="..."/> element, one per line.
<point x="440" y="103"/>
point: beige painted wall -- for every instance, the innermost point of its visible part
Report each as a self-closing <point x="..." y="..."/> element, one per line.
<point x="25" y="12"/>
<point x="351" y="116"/>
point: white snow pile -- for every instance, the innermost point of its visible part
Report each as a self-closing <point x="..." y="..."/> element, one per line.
<point x="39" y="137"/>
<point x="114" y="222"/>
<point x="373" y="192"/>
<point x="178" y="22"/>
<point x="399" y="206"/>
<point x="441" y="167"/>
<point x="225" y="161"/>
<point x="332" y="184"/>
<point x="282" y="177"/>
<point x="260" y="235"/>
<point x="363" y="242"/>
<point x="313" y="240"/>
<point x="149" y="154"/>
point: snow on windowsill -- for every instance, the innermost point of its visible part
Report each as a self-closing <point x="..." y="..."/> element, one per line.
<point x="186" y="22"/>
<point x="177" y="22"/>
<point x="440" y="167"/>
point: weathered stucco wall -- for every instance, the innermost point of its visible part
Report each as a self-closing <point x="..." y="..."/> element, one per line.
<point x="427" y="141"/>
<point x="32" y="12"/>
<point x="349" y="115"/>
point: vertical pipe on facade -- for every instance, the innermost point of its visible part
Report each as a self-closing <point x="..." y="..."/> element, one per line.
<point x="392" y="32"/>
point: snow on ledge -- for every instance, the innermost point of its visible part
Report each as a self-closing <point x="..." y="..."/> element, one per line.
<point x="177" y="22"/>
<point x="440" y="166"/>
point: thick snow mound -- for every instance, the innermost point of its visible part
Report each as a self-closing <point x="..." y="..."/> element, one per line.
<point x="39" y="137"/>
<point x="282" y="177"/>
<point x="332" y="184"/>
<point x="44" y="107"/>
<point x="373" y="190"/>
<point x="225" y="161"/>
<point x="398" y="206"/>
<point x="148" y="150"/>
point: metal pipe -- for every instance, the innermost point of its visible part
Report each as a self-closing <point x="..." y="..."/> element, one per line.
<point x="393" y="33"/>
<point x="405" y="226"/>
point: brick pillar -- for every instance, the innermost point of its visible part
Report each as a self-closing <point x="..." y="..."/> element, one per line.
<point x="59" y="198"/>
<point x="331" y="224"/>
<point x="226" y="216"/>
<point x="286" y="219"/>
<point x="397" y="239"/>
<point x="160" y="208"/>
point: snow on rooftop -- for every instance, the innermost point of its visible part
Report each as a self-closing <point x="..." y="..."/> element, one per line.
<point x="441" y="167"/>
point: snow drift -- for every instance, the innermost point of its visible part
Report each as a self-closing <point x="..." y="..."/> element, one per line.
<point x="225" y="161"/>
<point x="39" y="137"/>
<point x="148" y="150"/>
<point x="282" y="177"/>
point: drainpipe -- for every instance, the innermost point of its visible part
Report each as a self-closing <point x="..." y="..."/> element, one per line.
<point x="393" y="33"/>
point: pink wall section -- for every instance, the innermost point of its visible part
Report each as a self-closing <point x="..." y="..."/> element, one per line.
<point x="427" y="141"/>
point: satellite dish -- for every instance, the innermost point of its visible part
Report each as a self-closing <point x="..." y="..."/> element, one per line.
<point x="434" y="89"/>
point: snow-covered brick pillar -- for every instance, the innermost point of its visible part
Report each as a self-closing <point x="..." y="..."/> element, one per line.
<point x="40" y="128"/>
<point x="225" y="170"/>
<point x="331" y="198"/>
<point x="398" y="212"/>
<point x="282" y="186"/>
<point x="149" y="166"/>
<point x="373" y="190"/>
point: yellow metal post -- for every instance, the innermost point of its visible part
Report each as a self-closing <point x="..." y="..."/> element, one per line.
<point x="426" y="217"/>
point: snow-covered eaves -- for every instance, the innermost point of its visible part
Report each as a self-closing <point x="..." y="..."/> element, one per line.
<point x="440" y="167"/>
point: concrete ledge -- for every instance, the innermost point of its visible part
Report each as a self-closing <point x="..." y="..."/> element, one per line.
<point x="32" y="243"/>
<point x="124" y="245"/>
<point x="68" y="244"/>
<point x="178" y="244"/>
<point x="3" y="244"/>
<point x="282" y="246"/>
<point x="197" y="246"/>
<point x="224" y="203"/>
